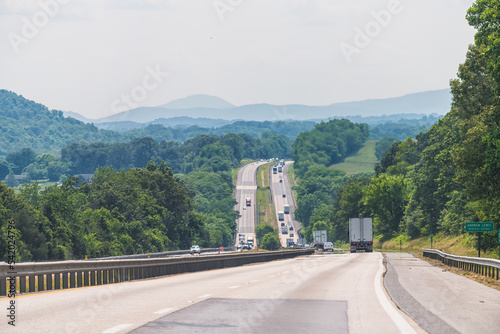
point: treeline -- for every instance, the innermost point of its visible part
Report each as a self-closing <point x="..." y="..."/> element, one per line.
<point x="439" y="180"/>
<point x="127" y="212"/>
<point x="133" y="203"/>
<point x="208" y="153"/>
<point x="328" y="143"/>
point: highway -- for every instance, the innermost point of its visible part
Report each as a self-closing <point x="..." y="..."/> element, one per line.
<point x="246" y="186"/>
<point x="339" y="293"/>
<point x="278" y="190"/>
<point x="335" y="293"/>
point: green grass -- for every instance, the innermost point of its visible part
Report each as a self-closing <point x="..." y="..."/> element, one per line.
<point x="263" y="197"/>
<point x="363" y="161"/>
<point x="462" y="245"/>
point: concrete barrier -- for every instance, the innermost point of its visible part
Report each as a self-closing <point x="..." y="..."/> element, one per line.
<point x="42" y="276"/>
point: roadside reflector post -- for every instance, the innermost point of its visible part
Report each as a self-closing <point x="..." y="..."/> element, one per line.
<point x="86" y="257"/>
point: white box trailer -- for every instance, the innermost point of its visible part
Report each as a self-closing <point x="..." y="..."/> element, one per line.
<point x="361" y="234"/>
<point x="281" y="215"/>
<point x="286" y="209"/>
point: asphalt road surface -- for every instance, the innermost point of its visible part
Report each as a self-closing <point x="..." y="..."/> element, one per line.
<point x="278" y="190"/>
<point x="335" y="293"/>
<point x="246" y="186"/>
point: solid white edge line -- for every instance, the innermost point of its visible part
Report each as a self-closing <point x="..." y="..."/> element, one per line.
<point x="204" y="296"/>
<point x="116" y="329"/>
<point x="165" y="310"/>
<point x="396" y="317"/>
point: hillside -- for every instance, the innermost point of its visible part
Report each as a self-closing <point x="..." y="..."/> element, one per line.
<point x="363" y="161"/>
<point x="24" y="123"/>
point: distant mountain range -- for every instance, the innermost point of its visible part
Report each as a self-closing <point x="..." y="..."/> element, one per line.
<point x="211" y="107"/>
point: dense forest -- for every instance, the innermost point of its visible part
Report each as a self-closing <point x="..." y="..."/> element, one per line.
<point x="134" y="202"/>
<point x="432" y="183"/>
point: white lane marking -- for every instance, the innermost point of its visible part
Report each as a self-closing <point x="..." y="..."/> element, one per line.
<point x="397" y="318"/>
<point x="234" y="287"/>
<point x="165" y="310"/>
<point x="255" y="280"/>
<point x="205" y="296"/>
<point x="116" y="329"/>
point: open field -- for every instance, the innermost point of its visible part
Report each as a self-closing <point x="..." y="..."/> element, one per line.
<point x="363" y="161"/>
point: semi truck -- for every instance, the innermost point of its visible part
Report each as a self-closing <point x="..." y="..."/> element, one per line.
<point x="249" y="201"/>
<point x="280" y="169"/>
<point x="284" y="230"/>
<point x="281" y="215"/>
<point x="320" y="237"/>
<point x="275" y="170"/>
<point x="286" y="209"/>
<point x="250" y="241"/>
<point x="289" y="243"/>
<point x="361" y="234"/>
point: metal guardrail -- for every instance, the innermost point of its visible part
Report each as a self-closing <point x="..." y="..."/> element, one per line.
<point x="484" y="266"/>
<point x="42" y="276"/>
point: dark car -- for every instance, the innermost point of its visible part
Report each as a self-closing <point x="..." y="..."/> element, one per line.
<point x="284" y="195"/>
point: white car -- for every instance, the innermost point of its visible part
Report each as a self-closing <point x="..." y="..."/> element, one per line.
<point x="195" y="249"/>
<point x="328" y="246"/>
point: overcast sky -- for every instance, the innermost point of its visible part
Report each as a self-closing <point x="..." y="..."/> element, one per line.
<point x="97" y="57"/>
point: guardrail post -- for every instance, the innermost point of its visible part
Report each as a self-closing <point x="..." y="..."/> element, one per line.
<point x="41" y="283"/>
<point x="49" y="281"/>
<point x="79" y="279"/>
<point x="105" y="273"/>
<point x="72" y="281"/>
<point x="32" y="283"/>
<point x="92" y="278"/>
<point x="22" y="284"/>
<point x="65" y="280"/>
<point x="86" y="278"/>
<point x="3" y="286"/>
<point x="99" y="277"/>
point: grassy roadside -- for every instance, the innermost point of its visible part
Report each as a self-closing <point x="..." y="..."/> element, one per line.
<point x="263" y="197"/>
<point x="363" y="161"/>
<point x="462" y="245"/>
<point x="294" y="183"/>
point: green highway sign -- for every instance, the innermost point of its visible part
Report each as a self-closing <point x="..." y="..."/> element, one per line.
<point x="478" y="227"/>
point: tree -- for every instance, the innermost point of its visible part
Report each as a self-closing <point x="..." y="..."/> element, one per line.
<point x="386" y="199"/>
<point x="11" y="180"/>
<point x="21" y="159"/>
<point x="270" y="241"/>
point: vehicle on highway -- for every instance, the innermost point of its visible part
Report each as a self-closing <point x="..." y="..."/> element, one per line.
<point x="282" y="224"/>
<point x="249" y="201"/>
<point x="241" y="238"/>
<point x="291" y="235"/>
<point x="307" y="245"/>
<point x="239" y="247"/>
<point x="281" y="215"/>
<point x="284" y="195"/>
<point x="281" y="181"/>
<point x="284" y="230"/>
<point x="291" y="228"/>
<point x="246" y="247"/>
<point x="250" y="241"/>
<point x="328" y="246"/>
<point x="195" y="249"/>
<point x="244" y="208"/>
<point x="361" y="234"/>
<point x="275" y="170"/>
<point x="286" y="209"/>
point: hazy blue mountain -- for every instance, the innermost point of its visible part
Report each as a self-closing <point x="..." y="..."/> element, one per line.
<point x="174" y="122"/>
<point x="432" y="102"/>
<point x="198" y="101"/>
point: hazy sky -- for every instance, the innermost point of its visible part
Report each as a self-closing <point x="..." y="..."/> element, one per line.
<point x="98" y="57"/>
